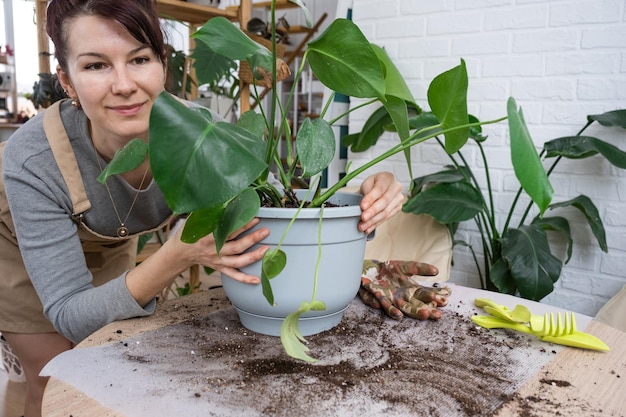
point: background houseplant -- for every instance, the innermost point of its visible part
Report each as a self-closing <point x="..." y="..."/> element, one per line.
<point x="218" y="172"/>
<point x="517" y="259"/>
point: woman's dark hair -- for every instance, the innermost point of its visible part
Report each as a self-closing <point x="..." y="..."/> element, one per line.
<point x="139" y="17"/>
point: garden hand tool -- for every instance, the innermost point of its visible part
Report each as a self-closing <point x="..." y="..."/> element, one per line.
<point x="561" y="330"/>
<point x="389" y="286"/>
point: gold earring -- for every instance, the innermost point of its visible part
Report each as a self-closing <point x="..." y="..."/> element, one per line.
<point x="75" y="103"/>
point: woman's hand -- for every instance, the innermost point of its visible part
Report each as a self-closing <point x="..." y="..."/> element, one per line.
<point x="231" y="256"/>
<point x="382" y="199"/>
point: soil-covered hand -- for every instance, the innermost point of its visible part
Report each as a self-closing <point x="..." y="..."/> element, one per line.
<point x="388" y="285"/>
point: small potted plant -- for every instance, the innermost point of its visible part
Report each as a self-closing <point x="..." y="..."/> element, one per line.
<point x="219" y="173"/>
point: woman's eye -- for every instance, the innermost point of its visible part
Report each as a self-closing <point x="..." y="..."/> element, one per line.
<point x="141" y="60"/>
<point x="95" y="66"/>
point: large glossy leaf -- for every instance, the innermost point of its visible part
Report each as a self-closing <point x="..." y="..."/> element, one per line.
<point x="572" y="147"/>
<point x="612" y="153"/>
<point x="425" y="120"/>
<point x="526" y="162"/>
<point x="500" y="276"/>
<point x="197" y="162"/>
<point x="253" y="122"/>
<point x="238" y="212"/>
<point x="447" y="97"/>
<point x="395" y="86"/>
<point x="557" y="224"/>
<point x="590" y="211"/>
<point x="209" y="66"/>
<point x="315" y="144"/>
<point x="201" y="222"/>
<point x="227" y="40"/>
<point x="398" y="110"/>
<point x="532" y="265"/>
<point x="344" y="61"/>
<point x="445" y="176"/>
<point x="578" y="147"/>
<point x="126" y="159"/>
<point x="447" y="202"/>
<point x="372" y="130"/>
<point x="610" y="118"/>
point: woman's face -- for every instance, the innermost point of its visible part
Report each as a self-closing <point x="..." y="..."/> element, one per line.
<point x="115" y="78"/>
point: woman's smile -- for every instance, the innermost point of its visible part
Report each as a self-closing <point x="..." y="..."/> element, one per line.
<point x="128" y="109"/>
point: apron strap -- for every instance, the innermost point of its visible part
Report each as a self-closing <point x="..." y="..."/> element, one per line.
<point x="65" y="158"/>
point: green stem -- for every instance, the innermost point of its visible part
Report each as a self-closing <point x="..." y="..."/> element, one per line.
<point x="412" y="140"/>
<point x="344" y="114"/>
<point x="319" y="254"/>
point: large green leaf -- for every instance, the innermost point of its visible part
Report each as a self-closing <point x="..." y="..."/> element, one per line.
<point x="557" y="224"/>
<point x="344" y="61"/>
<point x="315" y="144"/>
<point x="126" y="159"/>
<point x="532" y="265"/>
<point x="526" y="162"/>
<point x="227" y="40"/>
<point x="612" y="153"/>
<point x="578" y="147"/>
<point x="500" y="276"/>
<point x="572" y="147"/>
<point x="209" y="66"/>
<point x="398" y="111"/>
<point x="445" y="176"/>
<point x="610" y="118"/>
<point x="253" y="122"/>
<point x="425" y="120"/>
<point x="447" y="97"/>
<point x="238" y="212"/>
<point x="196" y="161"/>
<point x="447" y="202"/>
<point x="201" y="222"/>
<point x="372" y="130"/>
<point x="395" y="86"/>
<point x="590" y="211"/>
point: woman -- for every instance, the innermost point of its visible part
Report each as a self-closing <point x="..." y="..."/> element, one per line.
<point x="74" y="269"/>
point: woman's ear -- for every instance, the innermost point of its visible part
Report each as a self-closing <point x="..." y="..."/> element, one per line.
<point x="64" y="79"/>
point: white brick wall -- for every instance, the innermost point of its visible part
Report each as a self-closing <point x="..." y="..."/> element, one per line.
<point x="561" y="60"/>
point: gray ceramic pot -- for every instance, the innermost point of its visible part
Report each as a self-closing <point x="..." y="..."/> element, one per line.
<point x="343" y="249"/>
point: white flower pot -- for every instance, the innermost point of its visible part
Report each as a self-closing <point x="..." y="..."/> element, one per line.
<point x="343" y="249"/>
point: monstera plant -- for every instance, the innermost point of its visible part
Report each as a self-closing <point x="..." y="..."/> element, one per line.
<point x="219" y="173"/>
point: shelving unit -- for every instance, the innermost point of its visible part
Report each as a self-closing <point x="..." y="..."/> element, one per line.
<point x="195" y="14"/>
<point x="8" y="90"/>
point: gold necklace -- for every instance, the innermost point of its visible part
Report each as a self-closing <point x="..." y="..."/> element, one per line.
<point x="122" y="231"/>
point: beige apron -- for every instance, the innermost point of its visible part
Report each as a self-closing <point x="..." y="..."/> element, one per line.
<point x="107" y="257"/>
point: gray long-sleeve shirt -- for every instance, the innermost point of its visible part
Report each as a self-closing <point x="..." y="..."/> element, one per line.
<point x="41" y="209"/>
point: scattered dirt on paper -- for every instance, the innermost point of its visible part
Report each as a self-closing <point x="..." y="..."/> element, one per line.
<point x="368" y="365"/>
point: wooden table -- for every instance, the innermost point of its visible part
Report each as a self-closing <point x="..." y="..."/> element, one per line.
<point x="574" y="381"/>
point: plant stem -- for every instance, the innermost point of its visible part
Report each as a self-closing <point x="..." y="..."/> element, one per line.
<point x="412" y="140"/>
<point x="319" y="254"/>
<point x="344" y="114"/>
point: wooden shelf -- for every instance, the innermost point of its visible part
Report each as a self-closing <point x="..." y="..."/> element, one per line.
<point x="280" y="4"/>
<point x="195" y="14"/>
